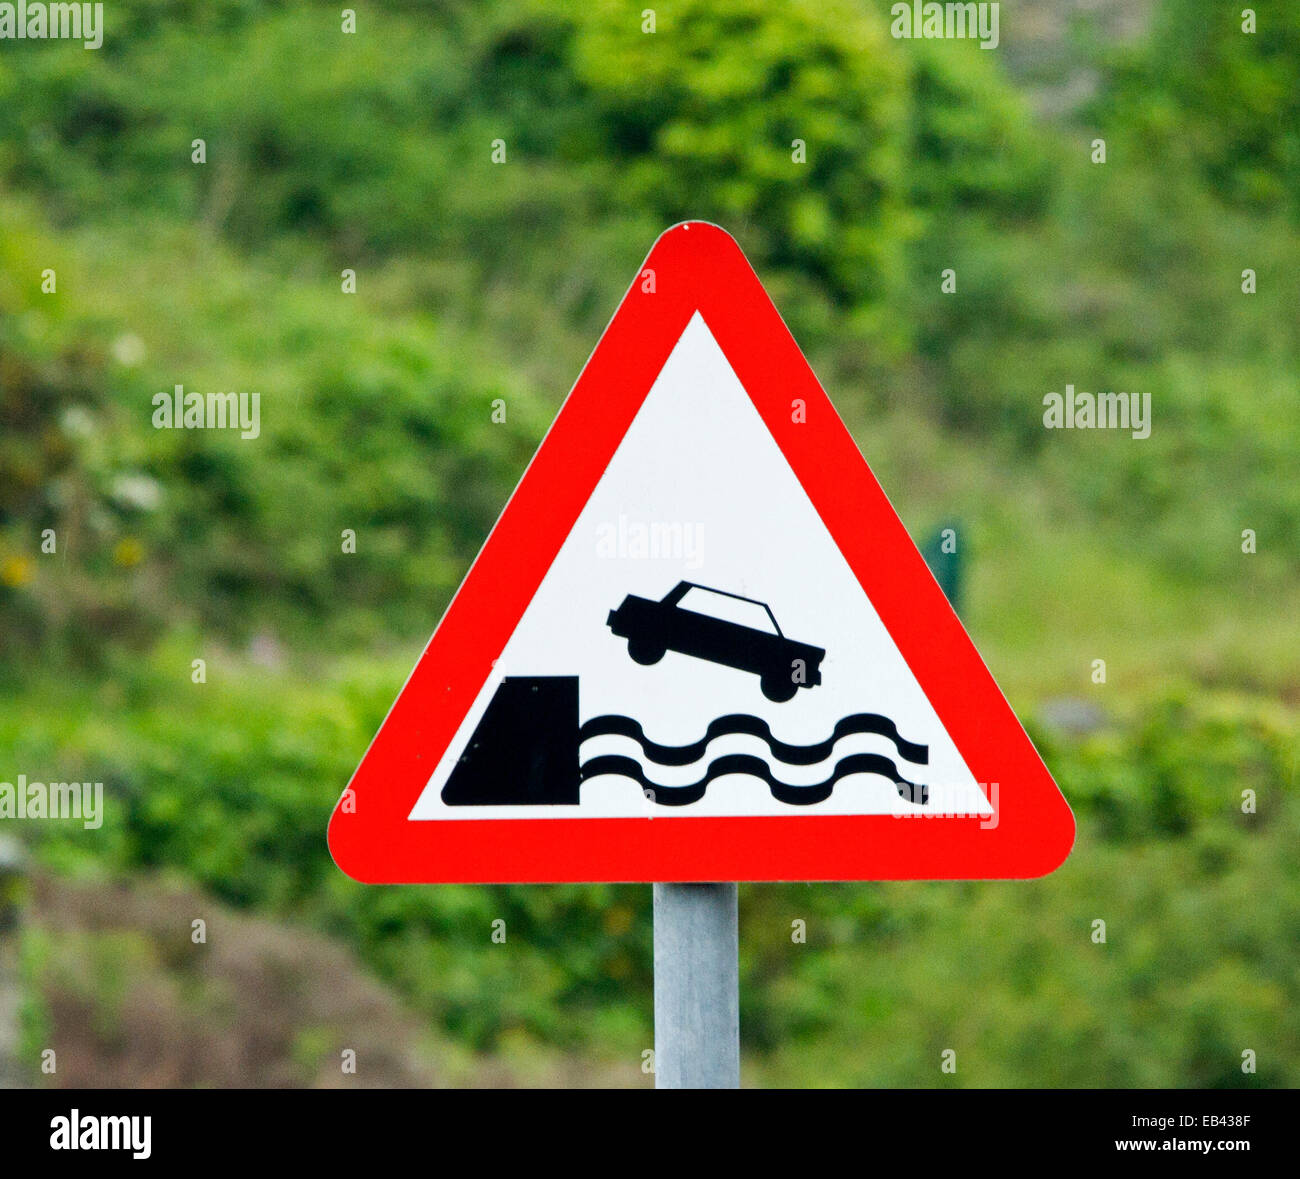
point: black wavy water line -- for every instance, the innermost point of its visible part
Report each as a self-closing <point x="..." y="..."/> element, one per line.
<point x="795" y="755"/>
<point x="744" y="763"/>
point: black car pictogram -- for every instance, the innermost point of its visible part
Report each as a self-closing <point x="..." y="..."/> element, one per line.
<point x="654" y="628"/>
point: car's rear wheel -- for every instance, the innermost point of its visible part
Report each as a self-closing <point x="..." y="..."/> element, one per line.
<point x="645" y="652"/>
<point x="778" y="689"/>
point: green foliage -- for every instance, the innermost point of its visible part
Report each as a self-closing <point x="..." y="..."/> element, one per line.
<point x="225" y="277"/>
<point x="974" y="149"/>
<point x="233" y="781"/>
<point x="794" y="126"/>
<point x="371" y="424"/>
<point x="1201" y="89"/>
<point x="33" y="1016"/>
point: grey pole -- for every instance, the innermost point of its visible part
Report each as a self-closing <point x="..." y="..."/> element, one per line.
<point x="697" y="987"/>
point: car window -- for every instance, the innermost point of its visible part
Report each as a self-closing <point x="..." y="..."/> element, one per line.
<point x="715" y="605"/>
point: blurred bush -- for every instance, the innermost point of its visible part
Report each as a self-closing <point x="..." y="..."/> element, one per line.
<point x="233" y="785"/>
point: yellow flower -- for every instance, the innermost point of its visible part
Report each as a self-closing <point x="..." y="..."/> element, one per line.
<point x="16" y="571"/>
<point x="127" y="552"/>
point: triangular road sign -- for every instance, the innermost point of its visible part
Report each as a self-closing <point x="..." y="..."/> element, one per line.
<point x="699" y="644"/>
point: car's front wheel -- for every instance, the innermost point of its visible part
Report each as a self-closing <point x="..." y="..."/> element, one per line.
<point x="645" y="652"/>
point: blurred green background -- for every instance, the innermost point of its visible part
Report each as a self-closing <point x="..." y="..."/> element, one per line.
<point x="477" y="280"/>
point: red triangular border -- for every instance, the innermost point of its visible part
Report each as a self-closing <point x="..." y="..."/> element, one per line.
<point x="697" y="267"/>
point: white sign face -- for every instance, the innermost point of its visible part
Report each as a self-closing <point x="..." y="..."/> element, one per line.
<point x="725" y="659"/>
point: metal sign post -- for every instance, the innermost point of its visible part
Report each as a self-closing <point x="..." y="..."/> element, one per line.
<point x="697" y="987"/>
